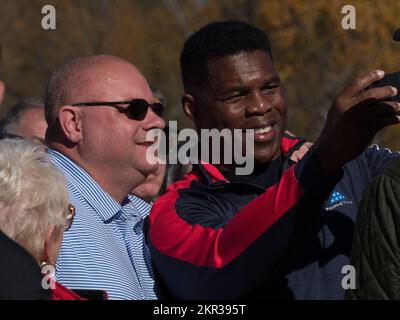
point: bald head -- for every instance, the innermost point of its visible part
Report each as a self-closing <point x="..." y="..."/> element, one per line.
<point x="91" y="79"/>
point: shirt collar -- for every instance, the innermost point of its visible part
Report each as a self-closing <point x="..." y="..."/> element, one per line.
<point x="140" y="205"/>
<point x="98" y="199"/>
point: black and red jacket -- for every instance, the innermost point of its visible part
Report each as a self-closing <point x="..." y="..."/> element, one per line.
<point x="210" y="238"/>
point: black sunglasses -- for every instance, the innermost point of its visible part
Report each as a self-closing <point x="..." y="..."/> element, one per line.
<point x="137" y="108"/>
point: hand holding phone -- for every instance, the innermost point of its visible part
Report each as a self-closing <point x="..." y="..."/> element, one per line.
<point x="390" y="79"/>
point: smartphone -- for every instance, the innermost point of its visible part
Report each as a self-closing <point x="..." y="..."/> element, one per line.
<point x="390" y="79"/>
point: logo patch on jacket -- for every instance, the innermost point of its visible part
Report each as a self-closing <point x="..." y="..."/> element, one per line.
<point x="336" y="199"/>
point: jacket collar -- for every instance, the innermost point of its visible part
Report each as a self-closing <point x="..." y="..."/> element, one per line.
<point x="212" y="175"/>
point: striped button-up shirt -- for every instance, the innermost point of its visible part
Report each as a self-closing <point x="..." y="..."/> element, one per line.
<point x="105" y="248"/>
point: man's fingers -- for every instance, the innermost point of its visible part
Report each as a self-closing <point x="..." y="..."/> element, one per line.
<point x="295" y="157"/>
<point x="361" y="82"/>
<point x="377" y="94"/>
<point x="289" y="133"/>
<point x="299" y="154"/>
<point x="307" y="146"/>
<point x="386" y="121"/>
<point x="383" y="109"/>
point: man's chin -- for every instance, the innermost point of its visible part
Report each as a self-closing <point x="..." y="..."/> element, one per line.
<point x="150" y="169"/>
<point x="265" y="157"/>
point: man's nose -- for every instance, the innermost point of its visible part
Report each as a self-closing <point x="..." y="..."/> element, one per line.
<point x="258" y="104"/>
<point x="153" y="121"/>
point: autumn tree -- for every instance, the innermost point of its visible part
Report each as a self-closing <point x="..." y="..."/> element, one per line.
<point x="314" y="56"/>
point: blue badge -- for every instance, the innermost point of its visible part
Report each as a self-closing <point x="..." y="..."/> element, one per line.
<point x="336" y="197"/>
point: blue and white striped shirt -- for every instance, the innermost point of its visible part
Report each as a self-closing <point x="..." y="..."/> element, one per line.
<point x="105" y="248"/>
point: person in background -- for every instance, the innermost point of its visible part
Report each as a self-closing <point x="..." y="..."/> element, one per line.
<point x="158" y="95"/>
<point x="150" y="189"/>
<point x="26" y="119"/>
<point x="34" y="208"/>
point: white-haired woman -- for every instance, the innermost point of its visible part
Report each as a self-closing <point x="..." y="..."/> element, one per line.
<point x="34" y="207"/>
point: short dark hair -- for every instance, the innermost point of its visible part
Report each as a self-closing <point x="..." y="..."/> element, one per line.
<point x="215" y="40"/>
<point x="14" y="114"/>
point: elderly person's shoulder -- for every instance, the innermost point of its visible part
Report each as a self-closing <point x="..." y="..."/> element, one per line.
<point x="20" y="277"/>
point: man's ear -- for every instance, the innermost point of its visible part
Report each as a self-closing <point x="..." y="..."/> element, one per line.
<point x="70" y="123"/>
<point x="189" y="106"/>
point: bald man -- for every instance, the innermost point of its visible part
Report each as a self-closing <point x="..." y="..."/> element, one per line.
<point x="99" y="110"/>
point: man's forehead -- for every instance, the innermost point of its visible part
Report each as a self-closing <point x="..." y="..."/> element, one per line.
<point x="233" y="67"/>
<point x="112" y="81"/>
<point x="117" y="72"/>
<point x="242" y="58"/>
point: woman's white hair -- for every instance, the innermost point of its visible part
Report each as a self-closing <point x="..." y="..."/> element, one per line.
<point x="33" y="194"/>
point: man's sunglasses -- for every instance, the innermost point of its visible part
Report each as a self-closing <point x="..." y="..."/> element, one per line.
<point x="137" y="108"/>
